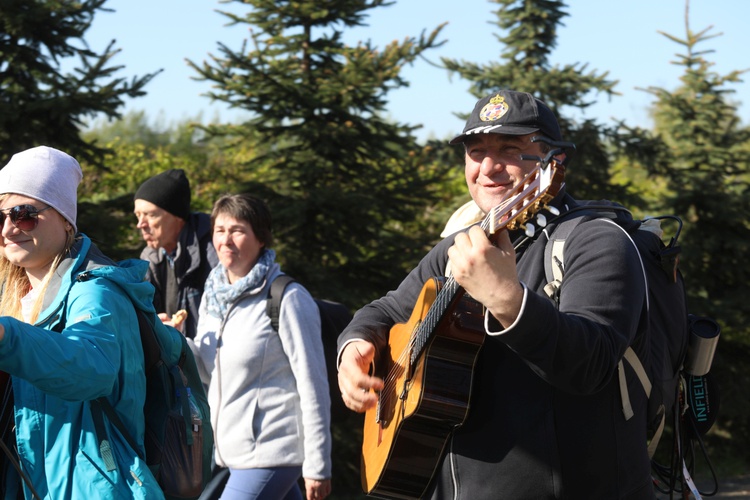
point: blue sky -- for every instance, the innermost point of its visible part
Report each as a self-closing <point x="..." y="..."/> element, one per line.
<point x="616" y="36"/>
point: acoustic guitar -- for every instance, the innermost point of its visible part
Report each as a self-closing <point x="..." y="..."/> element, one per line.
<point x="428" y="367"/>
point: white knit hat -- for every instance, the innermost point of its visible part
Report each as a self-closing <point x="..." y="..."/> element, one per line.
<point x="47" y="175"/>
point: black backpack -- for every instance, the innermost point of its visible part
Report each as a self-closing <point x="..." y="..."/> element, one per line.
<point x="333" y="319"/>
<point x="672" y="330"/>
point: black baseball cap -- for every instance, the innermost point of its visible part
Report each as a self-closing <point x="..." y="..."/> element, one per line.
<point x="511" y="113"/>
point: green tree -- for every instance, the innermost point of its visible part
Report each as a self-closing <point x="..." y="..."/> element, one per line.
<point x="345" y="185"/>
<point x="40" y="101"/>
<point x="350" y="192"/>
<point x="528" y="34"/>
<point x="138" y="150"/>
<point x="707" y="171"/>
<point x="699" y="148"/>
<point x="706" y="165"/>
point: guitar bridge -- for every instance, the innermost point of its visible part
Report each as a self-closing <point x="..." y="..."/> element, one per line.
<point x="377" y="409"/>
<point x="404" y="391"/>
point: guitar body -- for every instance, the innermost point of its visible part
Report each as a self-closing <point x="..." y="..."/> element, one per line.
<point x="421" y="403"/>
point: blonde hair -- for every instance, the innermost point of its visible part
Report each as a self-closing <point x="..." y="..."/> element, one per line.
<point x="15" y="284"/>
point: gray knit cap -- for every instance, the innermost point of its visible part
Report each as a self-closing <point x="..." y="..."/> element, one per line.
<point x="45" y="174"/>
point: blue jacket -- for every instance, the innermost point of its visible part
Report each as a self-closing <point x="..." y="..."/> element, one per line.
<point x="97" y="352"/>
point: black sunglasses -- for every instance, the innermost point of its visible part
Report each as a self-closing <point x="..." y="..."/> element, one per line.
<point x="24" y="217"/>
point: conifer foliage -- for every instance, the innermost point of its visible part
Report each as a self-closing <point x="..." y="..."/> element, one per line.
<point x="705" y="157"/>
<point x="344" y="183"/>
<point x="40" y="101"/>
<point x="699" y="145"/>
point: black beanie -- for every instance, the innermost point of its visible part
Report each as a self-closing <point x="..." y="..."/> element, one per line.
<point x="169" y="190"/>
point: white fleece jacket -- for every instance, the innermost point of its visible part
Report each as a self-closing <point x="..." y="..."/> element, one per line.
<point x="268" y="391"/>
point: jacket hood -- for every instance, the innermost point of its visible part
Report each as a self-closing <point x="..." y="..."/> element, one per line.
<point x="130" y="275"/>
<point x="86" y="261"/>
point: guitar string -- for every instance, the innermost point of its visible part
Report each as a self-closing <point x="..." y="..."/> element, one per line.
<point x="400" y="365"/>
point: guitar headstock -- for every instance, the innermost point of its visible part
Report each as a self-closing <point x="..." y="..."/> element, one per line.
<point x="530" y="196"/>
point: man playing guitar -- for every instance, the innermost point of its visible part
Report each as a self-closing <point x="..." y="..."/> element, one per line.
<point x="541" y="417"/>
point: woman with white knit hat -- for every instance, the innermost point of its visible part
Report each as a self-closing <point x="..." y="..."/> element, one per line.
<point x="68" y="335"/>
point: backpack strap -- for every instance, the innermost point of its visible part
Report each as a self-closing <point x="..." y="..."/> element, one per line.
<point x="635" y="363"/>
<point x="275" y="294"/>
<point x="554" y="268"/>
<point x="101" y="406"/>
<point x="554" y="263"/>
<point x="12" y="457"/>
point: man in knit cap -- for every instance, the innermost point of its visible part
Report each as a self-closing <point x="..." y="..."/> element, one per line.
<point x="178" y="249"/>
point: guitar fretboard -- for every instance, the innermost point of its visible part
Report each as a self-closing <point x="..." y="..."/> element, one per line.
<point x="445" y="298"/>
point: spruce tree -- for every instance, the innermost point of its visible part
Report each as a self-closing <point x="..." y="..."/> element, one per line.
<point x="701" y="149"/>
<point x="345" y="184"/>
<point x="704" y="155"/>
<point x="348" y="189"/>
<point x="42" y="103"/>
<point x="528" y="34"/>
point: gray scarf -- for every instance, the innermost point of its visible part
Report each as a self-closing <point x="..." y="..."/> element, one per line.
<point x="220" y="293"/>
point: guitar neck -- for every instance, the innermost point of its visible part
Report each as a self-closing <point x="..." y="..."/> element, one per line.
<point x="446" y="298"/>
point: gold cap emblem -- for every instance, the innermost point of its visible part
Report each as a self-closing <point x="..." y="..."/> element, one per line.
<point x="494" y="110"/>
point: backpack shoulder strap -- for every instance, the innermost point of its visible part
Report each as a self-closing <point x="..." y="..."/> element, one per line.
<point x="275" y="294"/>
<point x="553" y="252"/>
<point x="554" y="263"/>
<point x="101" y="405"/>
<point x="554" y="267"/>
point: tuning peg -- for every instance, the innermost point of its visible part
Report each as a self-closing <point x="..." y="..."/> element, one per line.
<point x="529" y="229"/>
<point x="553" y="210"/>
<point x="541" y="220"/>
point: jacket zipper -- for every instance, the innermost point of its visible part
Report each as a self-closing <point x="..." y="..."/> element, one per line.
<point x="217" y="363"/>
